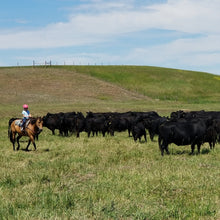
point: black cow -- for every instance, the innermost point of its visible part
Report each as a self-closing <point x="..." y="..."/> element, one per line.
<point x="53" y="121"/>
<point x="138" y="130"/>
<point x="67" y="123"/>
<point x="118" y="123"/>
<point x="195" y="114"/>
<point x="211" y="137"/>
<point x="152" y="124"/>
<point x="80" y="123"/>
<point x="96" y="124"/>
<point x="181" y="133"/>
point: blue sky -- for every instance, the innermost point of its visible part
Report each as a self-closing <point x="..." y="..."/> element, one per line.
<point x="181" y="34"/>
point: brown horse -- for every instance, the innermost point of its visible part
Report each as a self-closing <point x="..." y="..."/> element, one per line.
<point x="33" y="127"/>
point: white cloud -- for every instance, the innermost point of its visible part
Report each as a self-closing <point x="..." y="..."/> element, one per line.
<point x="101" y="21"/>
<point x="190" y="16"/>
<point x="193" y="16"/>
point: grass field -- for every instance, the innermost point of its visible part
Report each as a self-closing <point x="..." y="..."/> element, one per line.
<point x="110" y="177"/>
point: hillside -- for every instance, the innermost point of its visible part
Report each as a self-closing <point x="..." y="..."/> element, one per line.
<point x="159" y="83"/>
<point x="106" y="88"/>
<point x="57" y="85"/>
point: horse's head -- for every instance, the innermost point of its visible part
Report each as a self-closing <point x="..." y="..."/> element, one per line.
<point x="39" y="124"/>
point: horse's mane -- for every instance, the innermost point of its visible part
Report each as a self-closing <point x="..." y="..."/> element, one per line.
<point x="33" y="120"/>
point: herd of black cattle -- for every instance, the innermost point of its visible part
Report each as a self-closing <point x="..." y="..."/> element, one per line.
<point x="181" y="128"/>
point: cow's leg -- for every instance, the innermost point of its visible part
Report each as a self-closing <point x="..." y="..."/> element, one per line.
<point x="139" y="138"/>
<point x="161" y="145"/>
<point x="77" y="134"/>
<point x="210" y="144"/>
<point x="88" y="132"/>
<point x="166" y="148"/>
<point x="145" y="136"/>
<point x="129" y="133"/>
<point x="192" y="148"/>
<point x="198" y="147"/>
<point x="151" y="135"/>
<point x="213" y="144"/>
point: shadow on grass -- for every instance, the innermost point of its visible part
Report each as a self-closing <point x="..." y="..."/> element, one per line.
<point x="205" y="151"/>
<point x="25" y="150"/>
<point x="181" y="152"/>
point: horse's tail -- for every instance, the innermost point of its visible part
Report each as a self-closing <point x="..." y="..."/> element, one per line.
<point x="9" y="131"/>
<point x="10" y="135"/>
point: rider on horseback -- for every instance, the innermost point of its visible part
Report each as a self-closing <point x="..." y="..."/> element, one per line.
<point x="26" y="114"/>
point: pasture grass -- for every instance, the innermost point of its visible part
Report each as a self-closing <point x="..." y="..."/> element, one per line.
<point x="104" y="177"/>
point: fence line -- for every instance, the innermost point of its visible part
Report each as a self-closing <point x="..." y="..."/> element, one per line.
<point x="50" y="63"/>
<point x="45" y="63"/>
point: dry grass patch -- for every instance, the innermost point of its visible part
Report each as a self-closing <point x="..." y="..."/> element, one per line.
<point x="51" y="85"/>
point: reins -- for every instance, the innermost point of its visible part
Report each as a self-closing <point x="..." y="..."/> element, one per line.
<point x="30" y="129"/>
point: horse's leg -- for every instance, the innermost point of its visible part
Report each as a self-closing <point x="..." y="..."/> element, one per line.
<point x="33" y="142"/>
<point x="18" y="138"/>
<point x="34" y="145"/>
<point x="29" y="142"/>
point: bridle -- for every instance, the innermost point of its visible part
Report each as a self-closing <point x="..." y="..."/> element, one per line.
<point x="33" y="130"/>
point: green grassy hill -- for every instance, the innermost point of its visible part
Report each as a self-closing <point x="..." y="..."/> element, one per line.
<point x="159" y="83"/>
<point x="107" y="88"/>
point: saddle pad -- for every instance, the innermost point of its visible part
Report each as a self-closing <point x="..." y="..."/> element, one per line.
<point x="18" y="122"/>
